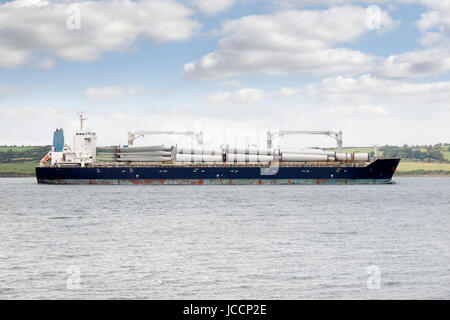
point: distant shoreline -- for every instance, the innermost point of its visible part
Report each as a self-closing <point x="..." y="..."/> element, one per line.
<point x="16" y="175"/>
<point x="422" y="173"/>
<point x="401" y="175"/>
<point x="426" y="175"/>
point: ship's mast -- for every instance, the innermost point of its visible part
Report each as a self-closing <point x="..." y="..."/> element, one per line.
<point x="82" y="119"/>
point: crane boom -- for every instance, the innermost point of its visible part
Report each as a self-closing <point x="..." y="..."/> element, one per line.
<point x="134" y="135"/>
<point x="281" y="133"/>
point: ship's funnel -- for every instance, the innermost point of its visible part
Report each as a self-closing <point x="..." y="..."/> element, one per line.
<point x="58" y="140"/>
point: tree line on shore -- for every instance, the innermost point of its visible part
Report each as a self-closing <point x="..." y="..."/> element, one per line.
<point x="21" y="154"/>
<point x="416" y="152"/>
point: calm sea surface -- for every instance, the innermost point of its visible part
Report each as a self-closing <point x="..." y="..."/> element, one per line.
<point x="228" y="242"/>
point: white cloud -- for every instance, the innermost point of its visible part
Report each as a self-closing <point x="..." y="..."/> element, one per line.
<point x="5" y="89"/>
<point x="369" y="90"/>
<point x="230" y="83"/>
<point x="362" y="92"/>
<point x="363" y="96"/>
<point x="371" y="96"/>
<point x="212" y="7"/>
<point x="420" y="63"/>
<point x="31" y="125"/>
<point x="34" y="125"/>
<point x="11" y="57"/>
<point x="434" y="24"/>
<point x="291" y="3"/>
<point x="109" y="92"/>
<point x="37" y="124"/>
<point x="307" y="41"/>
<point x="431" y="38"/>
<point x="30" y="27"/>
<point x="45" y="63"/>
<point x="287" y="92"/>
<point x="355" y="110"/>
<point x="292" y="41"/>
<point x="242" y="96"/>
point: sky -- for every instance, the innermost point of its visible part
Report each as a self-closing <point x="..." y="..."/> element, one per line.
<point x="377" y="70"/>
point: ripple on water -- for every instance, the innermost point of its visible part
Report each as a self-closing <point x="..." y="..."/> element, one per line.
<point x="224" y="242"/>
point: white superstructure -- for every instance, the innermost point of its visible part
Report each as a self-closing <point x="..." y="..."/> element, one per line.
<point x="84" y="144"/>
<point x="83" y="150"/>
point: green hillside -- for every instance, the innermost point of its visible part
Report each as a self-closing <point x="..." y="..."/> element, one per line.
<point x="18" y="168"/>
<point x="20" y="160"/>
<point x="423" y="168"/>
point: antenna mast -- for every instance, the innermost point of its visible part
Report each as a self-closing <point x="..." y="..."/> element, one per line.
<point x="82" y="119"/>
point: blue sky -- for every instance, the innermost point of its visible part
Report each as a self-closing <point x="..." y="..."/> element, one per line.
<point x="226" y="66"/>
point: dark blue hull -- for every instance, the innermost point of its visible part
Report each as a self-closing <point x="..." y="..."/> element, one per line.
<point x="379" y="171"/>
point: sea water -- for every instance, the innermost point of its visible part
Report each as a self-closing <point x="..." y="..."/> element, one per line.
<point x="225" y="242"/>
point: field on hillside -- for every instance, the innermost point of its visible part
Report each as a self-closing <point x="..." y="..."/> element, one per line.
<point x="16" y="148"/>
<point x="422" y="169"/>
<point x="446" y="155"/>
<point x="18" y="168"/>
<point x="412" y="166"/>
<point x="20" y="160"/>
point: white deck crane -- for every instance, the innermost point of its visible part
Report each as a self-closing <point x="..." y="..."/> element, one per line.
<point x="281" y="133"/>
<point x="134" y="135"/>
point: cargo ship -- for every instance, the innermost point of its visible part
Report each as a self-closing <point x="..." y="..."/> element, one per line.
<point x="80" y="163"/>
